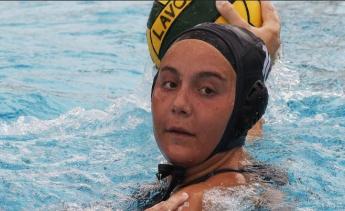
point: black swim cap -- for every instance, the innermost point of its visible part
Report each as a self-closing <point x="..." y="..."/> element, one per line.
<point x="249" y="58"/>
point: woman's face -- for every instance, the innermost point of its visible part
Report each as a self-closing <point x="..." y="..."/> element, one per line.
<point x="192" y="101"/>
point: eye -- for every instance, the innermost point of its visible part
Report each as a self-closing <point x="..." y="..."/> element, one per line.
<point x="169" y="85"/>
<point x="207" y="91"/>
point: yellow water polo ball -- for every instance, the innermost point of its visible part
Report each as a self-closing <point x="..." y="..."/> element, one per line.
<point x="168" y="18"/>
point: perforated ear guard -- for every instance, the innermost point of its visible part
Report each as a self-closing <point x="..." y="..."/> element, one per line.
<point x="254" y="107"/>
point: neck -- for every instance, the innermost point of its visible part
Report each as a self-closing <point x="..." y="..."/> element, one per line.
<point x="230" y="159"/>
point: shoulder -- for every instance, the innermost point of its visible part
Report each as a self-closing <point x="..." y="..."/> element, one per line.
<point x="196" y="191"/>
<point x="227" y="179"/>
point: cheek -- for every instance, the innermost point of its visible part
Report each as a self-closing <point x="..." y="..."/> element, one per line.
<point x="215" y="119"/>
<point x="160" y="107"/>
<point x="156" y="106"/>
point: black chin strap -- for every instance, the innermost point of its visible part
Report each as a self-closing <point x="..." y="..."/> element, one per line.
<point x="177" y="174"/>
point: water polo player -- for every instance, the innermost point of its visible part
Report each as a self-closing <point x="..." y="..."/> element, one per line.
<point x="208" y="93"/>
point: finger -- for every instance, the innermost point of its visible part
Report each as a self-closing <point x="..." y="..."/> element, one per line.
<point x="176" y="200"/>
<point x="269" y="14"/>
<point x="227" y="10"/>
<point x="270" y="30"/>
<point x="184" y="205"/>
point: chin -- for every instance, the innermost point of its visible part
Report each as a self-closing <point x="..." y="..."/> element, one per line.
<point x="181" y="157"/>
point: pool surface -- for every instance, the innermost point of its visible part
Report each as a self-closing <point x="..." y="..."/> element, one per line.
<point x="75" y="119"/>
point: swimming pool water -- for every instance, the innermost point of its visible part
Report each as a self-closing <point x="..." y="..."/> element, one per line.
<point x="75" y="121"/>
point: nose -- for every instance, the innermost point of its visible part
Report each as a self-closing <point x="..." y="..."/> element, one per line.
<point x="181" y="105"/>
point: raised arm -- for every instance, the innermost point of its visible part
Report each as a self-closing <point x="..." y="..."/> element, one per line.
<point x="269" y="32"/>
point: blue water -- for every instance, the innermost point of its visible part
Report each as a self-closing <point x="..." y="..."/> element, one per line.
<point x="75" y="121"/>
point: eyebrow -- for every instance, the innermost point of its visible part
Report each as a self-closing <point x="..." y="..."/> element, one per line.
<point x="169" y="69"/>
<point x="210" y="74"/>
<point x="200" y="75"/>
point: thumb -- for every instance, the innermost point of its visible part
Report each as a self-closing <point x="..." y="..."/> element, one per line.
<point x="227" y="10"/>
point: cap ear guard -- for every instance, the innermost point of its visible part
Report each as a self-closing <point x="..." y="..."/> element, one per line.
<point x="253" y="108"/>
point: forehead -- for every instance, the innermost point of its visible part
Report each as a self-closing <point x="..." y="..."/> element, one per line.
<point x="191" y="55"/>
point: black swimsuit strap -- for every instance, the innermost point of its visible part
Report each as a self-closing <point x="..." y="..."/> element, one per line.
<point x="223" y="170"/>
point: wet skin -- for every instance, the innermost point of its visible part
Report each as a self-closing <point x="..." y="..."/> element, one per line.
<point x="192" y="101"/>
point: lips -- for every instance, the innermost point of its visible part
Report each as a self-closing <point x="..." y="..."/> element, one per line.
<point x="179" y="131"/>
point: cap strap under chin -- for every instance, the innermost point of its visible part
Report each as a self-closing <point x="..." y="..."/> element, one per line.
<point x="177" y="174"/>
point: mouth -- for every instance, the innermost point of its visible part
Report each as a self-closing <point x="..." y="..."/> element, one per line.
<point x="179" y="131"/>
